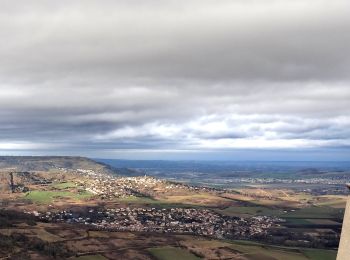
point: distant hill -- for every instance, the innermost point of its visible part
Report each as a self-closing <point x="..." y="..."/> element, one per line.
<point x="47" y="163"/>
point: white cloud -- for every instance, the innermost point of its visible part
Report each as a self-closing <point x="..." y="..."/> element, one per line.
<point x="25" y="146"/>
<point x="174" y="75"/>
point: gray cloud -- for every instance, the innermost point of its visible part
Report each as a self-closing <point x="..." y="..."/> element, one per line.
<point x="176" y="75"/>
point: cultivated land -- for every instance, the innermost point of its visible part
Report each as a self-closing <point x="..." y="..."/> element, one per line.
<point x="74" y="208"/>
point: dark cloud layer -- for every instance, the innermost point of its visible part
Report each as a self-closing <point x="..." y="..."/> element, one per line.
<point x="150" y="76"/>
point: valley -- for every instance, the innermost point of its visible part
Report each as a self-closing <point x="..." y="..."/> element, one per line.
<point x="80" y="209"/>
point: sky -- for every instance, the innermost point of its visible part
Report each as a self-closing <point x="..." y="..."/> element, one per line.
<point x="184" y="79"/>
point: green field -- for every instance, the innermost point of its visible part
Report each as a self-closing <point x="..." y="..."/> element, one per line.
<point x="320" y="254"/>
<point x="299" y="216"/>
<point x="45" y="197"/>
<point x="250" y="211"/>
<point x="64" y="185"/>
<point x="256" y="251"/>
<point x="315" y="212"/>
<point x="298" y="221"/>
<point x="172" y="253"/>
<point x="333" y="201"/>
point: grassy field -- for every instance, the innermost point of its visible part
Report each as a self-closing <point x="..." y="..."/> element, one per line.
<point x="323" y="222"/>
<point x="33" y="232"/>
<point x="298" y="221"/>
<point x="45" y="197"/>
<point x="315" y="212"/>
<point x="320" y="254"/>
<point x="172" y="253"/>
<point x="334" y="201"/>
<point x="237" y="249"/>
<point x="64" y="185"/>
<point x="254" y="251"/>
<point x="245" y="211"/>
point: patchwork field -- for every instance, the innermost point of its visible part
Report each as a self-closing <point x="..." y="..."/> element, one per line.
<point x="260" y="251"/>
<point x="85" y="244"/>
<point x="244" y="250"/>
<point x="297" y="220"/>
<point x="46" y="197"/>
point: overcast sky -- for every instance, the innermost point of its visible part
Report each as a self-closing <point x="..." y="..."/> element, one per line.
<point x="195" y="79"/>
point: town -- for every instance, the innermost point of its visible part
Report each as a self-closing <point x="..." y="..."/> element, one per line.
<point x="84" y="206"/>
<point x="201" y="222"/>
<point x="109" y="186"/>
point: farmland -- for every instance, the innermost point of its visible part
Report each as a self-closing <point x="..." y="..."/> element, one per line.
<point x="45" y="197"/>
<point x="84" y="214"/>
<point x="81" y="243"/>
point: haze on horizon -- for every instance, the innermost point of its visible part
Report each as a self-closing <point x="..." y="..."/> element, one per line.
<point x="194" y="79"/>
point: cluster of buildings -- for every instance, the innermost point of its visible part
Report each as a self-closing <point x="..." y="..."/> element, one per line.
<point x="194" y="221"/>
<point x="118" y="187"/>
<point x="108" y="186"/>
<point x="174" y="220"/>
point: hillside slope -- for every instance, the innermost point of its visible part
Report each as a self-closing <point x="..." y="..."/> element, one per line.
<point x="47" y="163"/>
